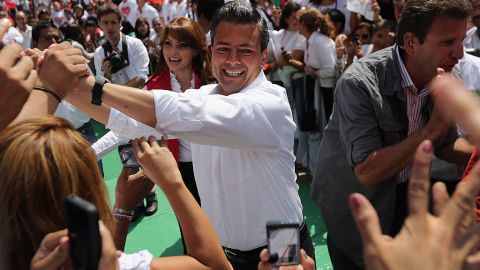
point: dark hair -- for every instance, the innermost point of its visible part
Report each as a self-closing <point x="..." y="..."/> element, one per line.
<point x="314" y="20"/>
<point x="208" y="7"/>
<point x="418" y="16"/>
<point x="239" y="12"/>
<point x="289" y="9"/>
<point x="336" y="16"/>
<point x="137" y="24"/>
<point x="74" y="32"/>
<point x="188" y="31"/>
<point x="108" y="9"/>
<point x="38" y="28"/>
<point x="127" y="28"/>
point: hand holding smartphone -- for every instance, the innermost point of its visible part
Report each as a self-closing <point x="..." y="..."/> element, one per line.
<point x="84" y="235"/>
<point x="283" y="239"/>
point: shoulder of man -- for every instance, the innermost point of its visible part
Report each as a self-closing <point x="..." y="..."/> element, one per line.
<point x="373" y="65"/>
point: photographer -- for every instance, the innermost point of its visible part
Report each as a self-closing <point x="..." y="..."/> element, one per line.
<point x="122" y="59"/>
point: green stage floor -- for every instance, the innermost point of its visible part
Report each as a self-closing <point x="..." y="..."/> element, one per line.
<point x="159" y="233"/>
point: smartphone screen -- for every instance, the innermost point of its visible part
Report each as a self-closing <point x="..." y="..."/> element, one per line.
<point x="283" y="242"/>
<point x="127" y="156"/>
<point x="83" y="232"/>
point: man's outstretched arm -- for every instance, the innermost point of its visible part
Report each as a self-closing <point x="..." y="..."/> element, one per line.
<point x="136" y="104"/>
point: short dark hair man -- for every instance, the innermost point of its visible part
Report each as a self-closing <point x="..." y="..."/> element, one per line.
<point x="44" y="35"/>
<point x="122" y="59"/>
<point x="382" y="112"/>
<point x="241" y="132"/>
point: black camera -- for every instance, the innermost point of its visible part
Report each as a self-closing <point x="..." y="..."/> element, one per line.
<point x="473" y="51"/>
<point x="118" y="60"/>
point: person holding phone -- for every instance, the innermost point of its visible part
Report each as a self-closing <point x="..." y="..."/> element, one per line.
<point x="44" y="160"/>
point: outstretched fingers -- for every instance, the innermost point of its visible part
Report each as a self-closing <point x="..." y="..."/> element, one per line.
<point x="419" y="185"/>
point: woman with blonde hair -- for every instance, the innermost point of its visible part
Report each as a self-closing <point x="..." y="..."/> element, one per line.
<point x="41" y="162"/>
<point x="319" y="59"/>
<point x="45" y="159"/>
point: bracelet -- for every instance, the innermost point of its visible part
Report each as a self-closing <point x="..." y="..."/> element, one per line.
<point x="122" y="214"/>
<point x="55" y="95"/>
<point x="120" y="217"/>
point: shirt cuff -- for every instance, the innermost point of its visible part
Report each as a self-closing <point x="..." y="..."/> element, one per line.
<point x="136" y="261"/>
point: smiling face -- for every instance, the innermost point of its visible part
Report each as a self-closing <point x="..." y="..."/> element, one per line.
<point x="177" y="54"/>
<point x="236" y="56"/>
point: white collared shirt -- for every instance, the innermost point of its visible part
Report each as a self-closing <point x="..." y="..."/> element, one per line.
<point x="137" y="57"/>
<point x="242" y="149"/>
<point x="320" y="54"/>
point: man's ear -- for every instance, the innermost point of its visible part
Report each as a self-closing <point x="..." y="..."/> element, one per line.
<point x="265" y="55"/>
<point x="409" y="43"/>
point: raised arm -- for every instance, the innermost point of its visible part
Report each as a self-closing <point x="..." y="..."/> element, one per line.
<point x="203" y="247"/>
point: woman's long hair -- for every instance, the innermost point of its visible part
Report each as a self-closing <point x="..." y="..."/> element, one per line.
<point x="41" y="162"/>
<point x="188" y="31"/>
<point x="314" y="20"/>
<point x="139" y="35"/>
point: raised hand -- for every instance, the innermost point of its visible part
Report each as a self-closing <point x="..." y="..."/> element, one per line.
<point x="62" y="67"/>
<point x="157" y="162"/>
<point x="425" y="241"/>
<point x="17" y="78"/>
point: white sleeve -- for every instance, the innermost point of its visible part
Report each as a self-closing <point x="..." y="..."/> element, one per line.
<point x="254" y="120"/>
<point x="135" y="261"/>
<point x="139" y="59"/>
<point x="107" y="143"/>
<point x="128" y="127"/>
<point x="326" y="58"/>
<point x="97" y="60"/>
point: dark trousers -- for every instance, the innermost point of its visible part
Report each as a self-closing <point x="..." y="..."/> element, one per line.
<point x="186" y="170"/>
<point x="248" y="260"/>
<point x="327" y="94"/>
<point x="340" y="261"/>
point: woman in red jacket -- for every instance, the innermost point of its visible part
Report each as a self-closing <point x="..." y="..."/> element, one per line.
<point x="183" y="64"/>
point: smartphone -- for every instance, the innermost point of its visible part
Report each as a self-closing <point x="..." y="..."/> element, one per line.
<point x="283" y="240"/>
<point x="127" y="156"/>
<point x="81" y="218"/>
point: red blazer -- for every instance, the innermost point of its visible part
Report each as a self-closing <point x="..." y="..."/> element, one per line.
<point x="473" y="160"/>
<point x="162" y="82"/>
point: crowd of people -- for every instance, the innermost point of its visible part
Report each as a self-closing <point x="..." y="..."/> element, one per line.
<point x="241" y="96"/>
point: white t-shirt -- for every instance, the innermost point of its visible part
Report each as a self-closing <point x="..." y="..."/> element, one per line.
<point x="58" y="18"/>
<point x="128" y="9"/>
<point x="321" y="55"/>
<point x="148" y="12"/>
<point x="283" y="40"/>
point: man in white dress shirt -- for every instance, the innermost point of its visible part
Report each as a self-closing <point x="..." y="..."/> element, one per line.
<point x="241" y="131"/>
<point x="130" y="64"/>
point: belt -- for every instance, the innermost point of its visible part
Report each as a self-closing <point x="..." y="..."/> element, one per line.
<point x="241" y="256"/>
